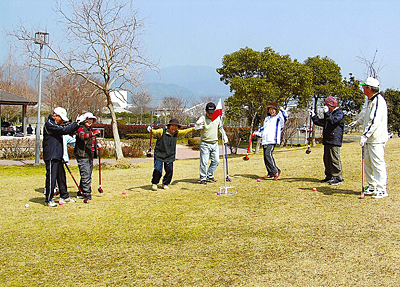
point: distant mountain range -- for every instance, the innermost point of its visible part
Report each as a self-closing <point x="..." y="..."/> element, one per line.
<point x="189" y="82"/>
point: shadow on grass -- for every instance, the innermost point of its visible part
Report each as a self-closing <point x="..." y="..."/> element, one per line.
<point x="327" y="190"/>
<point x="250" y="176"/>
<point x="304" y="179"/>
<point x="38" y="200"/>
<point x="148" y="186"/>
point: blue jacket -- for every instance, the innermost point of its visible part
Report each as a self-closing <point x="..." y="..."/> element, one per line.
<point x="333" y="125"/>
<point x="52" y="138"/>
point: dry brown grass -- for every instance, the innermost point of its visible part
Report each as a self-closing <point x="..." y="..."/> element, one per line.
<point x="270" y="234"/>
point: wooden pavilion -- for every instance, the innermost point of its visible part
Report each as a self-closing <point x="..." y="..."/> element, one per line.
<point x="7" y="98"/>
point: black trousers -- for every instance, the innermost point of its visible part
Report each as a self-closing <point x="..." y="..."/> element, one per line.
<point x="55" y="172"/>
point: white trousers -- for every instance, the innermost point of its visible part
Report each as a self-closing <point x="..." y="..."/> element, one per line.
<point x="375" y="166"/>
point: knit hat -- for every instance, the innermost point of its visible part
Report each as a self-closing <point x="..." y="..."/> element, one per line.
<point x="331" y="101"/>
<point x="174" y="122"/>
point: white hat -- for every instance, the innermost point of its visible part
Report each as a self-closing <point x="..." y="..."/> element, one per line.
<point x="371" y="82"/>
<point x="89" y="115"/>
<point x="62" y="113"/>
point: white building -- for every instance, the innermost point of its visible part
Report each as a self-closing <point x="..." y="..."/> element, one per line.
<point x="120" y="101"/>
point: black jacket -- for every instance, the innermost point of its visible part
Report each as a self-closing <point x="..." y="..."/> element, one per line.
<point x="83" y="147"/>
<point x="333" y="124"/>
<point x="52" y="138"/>
<point x="165" y="148"/>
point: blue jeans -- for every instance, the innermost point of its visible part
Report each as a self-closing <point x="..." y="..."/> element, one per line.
<point x="208" y="151"/>
<point x="157" y="173"/>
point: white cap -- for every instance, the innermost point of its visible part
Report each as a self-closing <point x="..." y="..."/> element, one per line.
<point x="371" y="82"/>
<point x="89" y="115"/>
<point x="62" y="113"/>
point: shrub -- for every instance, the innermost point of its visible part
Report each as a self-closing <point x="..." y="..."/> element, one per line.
<point x="194" y="143"/>
<point x="18" y="148"/>
<point x="234" y="140"/>
<point x="129" y="151"/>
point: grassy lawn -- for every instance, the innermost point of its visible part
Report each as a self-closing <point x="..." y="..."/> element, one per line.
<point x="271" y="233"/>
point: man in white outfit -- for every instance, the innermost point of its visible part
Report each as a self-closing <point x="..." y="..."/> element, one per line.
<point x="374" y="138"/>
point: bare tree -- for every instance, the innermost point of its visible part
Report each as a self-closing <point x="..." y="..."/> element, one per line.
<point x="141" y="101"/>
<point x="73" y="93"/>
<point x="372" y="69"/>
<point x="175" y="107"/>
<point x="15" y="78"/>
<point x="103" y="41"/>
<point x="198" y="107"/>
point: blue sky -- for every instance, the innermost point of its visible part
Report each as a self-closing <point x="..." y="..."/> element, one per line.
<point x="201" y="32"/>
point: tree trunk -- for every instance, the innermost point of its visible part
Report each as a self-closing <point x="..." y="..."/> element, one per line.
<point x="117" y="141"/>
<point x="251" y="131"/>
<point x="313" y="143"/>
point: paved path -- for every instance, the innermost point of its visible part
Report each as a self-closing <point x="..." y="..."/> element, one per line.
<point x="182" y="152"/>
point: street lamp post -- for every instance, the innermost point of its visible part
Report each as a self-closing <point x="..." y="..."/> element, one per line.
<point x="41" y="38"/>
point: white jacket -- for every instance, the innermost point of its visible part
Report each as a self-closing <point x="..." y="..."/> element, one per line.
<point x="375" y="126"/>
<point x="272" y="128"/>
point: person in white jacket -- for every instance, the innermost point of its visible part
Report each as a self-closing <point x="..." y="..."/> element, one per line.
<point x="271" y="136"/>
<point x="374" y="138"/>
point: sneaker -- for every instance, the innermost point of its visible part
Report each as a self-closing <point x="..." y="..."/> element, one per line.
<point x="165" y="186"/>
<point x="326" y="180"/>
<point x="211" y="179"/>
<point x="380" y="194"/>
<point x="336" y="181"/>
<point x="154" y="187"/>
<point x="203" y="182"/>
<point x="268" y="176"/>
<point x="51" y="203"/>
<point x="66" y="200"/>
<point x="369" y="190"/>
<point x="276" y="176"/>
<point x="80" y="196"/>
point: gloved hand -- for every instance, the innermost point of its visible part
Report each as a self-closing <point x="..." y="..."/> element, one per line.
<point x="326" y="109"/>
<point x="312" y="113"/>
<point x="96" y="132"/>
<point x="81" y="119"/>
<point x="225" y="139"/>
<point x="200" y="121"/>
<point x="149" y="128"/>
<point x="99" y="147"/>
<point x="363" y="140"/>
<point x="198" y="127"/>
<point x="352" y="124"/>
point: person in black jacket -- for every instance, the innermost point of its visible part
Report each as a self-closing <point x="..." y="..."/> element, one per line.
<point x="164" y="152"/>
<point x="85" y="150"/>
<point x="53" y="155"/>
<point x="333" y="125"/>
